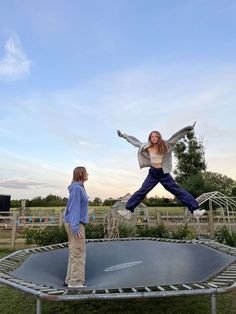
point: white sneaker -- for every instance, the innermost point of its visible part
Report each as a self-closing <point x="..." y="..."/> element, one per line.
<point x="197" y="213"/>
<point x="127" y="214"/>
<point x="76" y="286"/>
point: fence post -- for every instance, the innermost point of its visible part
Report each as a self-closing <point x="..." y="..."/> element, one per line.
<point x="13" y="230"/>
<point x="158" y="217"/>
<point x="22" y="207"/>
<point x="60" y="219"/>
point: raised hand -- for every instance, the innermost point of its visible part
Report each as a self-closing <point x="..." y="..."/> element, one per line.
<point x="119" y="133"/>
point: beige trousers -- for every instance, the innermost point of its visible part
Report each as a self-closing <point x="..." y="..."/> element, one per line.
<point x="77" y="256"/>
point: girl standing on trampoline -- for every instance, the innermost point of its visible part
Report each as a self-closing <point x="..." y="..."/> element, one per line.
<point x="75" y="217"/>
<point x="157" y="154"/>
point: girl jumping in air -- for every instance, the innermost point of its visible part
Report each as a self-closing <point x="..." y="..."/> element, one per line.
<point x="157" y="154"/>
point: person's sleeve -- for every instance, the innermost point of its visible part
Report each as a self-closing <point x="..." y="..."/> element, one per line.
<point x="131" y="139"/>
<point x="75" y="209"/>
<point x="179" y="135"/>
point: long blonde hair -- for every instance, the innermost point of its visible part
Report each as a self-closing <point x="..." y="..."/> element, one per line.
<point x="162" y="146"/>
<point x="79" y="174"/>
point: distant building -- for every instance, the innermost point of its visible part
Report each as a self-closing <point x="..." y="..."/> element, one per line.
<point x="141" y="209"/>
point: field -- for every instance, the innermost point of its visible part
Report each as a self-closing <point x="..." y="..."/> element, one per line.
<point x="101" y="210"/>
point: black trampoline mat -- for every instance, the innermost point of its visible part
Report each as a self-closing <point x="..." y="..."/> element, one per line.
<point x="123" y="264"/>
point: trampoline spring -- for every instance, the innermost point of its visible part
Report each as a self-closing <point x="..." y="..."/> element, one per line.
<point x="225" y="276"/>
<point x="120" y="290"/>
<point x="160" y="288"/>
<point x="4" y="268"/>
<point x="61" y="245"/>
<point x="174" y="288"/>
<point x="57" y="292"/>
<point x="212" y="285"/>
<point x="16" y="280"/>
<point x="39" y="288"/>
<point x="230" y="272"/>
<point x="147" y="289"/>
<point x="233" y="275"/>
<point x="29" y="285"/>
<point x="134" y="290"/>
<point x="228" y="280"/>
<point x="187" y="287"/>
<point x="33" y="251"/>
<point x="49" y="290"/>
<point x="4" y="276"/>
<point x="18" y="259"/>
<point x="199" y="286"/>
<point x="94" y="292"/>
<point x="7" y="263"/>
<point x="219" y="283"/>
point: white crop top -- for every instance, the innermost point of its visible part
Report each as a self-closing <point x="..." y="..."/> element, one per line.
<point x="156" y="158"/>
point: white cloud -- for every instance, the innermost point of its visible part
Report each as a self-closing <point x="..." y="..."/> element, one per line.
<point x="14" y="64"/>
<point x="21" y="184"/>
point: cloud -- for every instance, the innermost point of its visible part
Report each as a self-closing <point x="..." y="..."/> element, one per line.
<point x="14" y="64"/>
<point x="21" y="184"/>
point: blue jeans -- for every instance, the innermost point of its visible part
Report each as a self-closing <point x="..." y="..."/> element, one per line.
<point x="155" y="176"/>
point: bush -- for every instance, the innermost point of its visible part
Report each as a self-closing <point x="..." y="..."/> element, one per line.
<point x="183" y="232"/>
<point x="126" y="231"/>
<point x="45" y="236"/>
<point x="94" y="231"/>
<point x="159" y="232"/>
<point x="53" y="235"/>
<point x="224" y="236"/>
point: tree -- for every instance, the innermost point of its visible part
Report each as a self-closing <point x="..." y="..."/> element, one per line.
<point x="190" y="164"/>
<point x="214" y="181"/>
<point x="234" y="190"/>
<point x="109" y="202"/>
<point x="97" y="201"/>
<point x="191" y="158"/>
<point x="191" y="171"/>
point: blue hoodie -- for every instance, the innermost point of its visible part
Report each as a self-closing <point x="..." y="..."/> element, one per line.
<point x="76" y="207"/>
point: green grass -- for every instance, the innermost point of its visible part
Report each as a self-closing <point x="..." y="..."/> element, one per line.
<point x="4" y="252"/>
<point x="14" y="301"/>
<point x="99" y="210"/>
<point x="58" y="209"/>
<point x="166" y="210"/>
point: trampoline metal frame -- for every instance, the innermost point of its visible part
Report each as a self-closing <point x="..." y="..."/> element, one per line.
<point x="223" y="282"/>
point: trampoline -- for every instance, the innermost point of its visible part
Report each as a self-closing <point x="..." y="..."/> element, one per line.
<point x="125" y="268"/>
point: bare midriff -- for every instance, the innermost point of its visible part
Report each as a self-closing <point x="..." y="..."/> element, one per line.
<point x="156" y="165"/>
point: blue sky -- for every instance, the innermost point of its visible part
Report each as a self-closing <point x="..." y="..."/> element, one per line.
<point x="73" y="72"/>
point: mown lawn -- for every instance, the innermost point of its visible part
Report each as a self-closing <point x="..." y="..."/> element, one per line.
<point x="13" y="301"/>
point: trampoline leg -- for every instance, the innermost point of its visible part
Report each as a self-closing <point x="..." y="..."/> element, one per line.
<point x="213" y="303"/>
<point x="39" y="306"/>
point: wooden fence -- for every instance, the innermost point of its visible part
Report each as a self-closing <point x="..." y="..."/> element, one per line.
<point x="13" y="221"/>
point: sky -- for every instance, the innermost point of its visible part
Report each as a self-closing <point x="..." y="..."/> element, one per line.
<point x="73" y="72"/>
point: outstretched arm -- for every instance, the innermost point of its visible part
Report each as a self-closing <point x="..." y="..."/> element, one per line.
<point x="180" y="134"/>
<point x="131" y="139"/>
